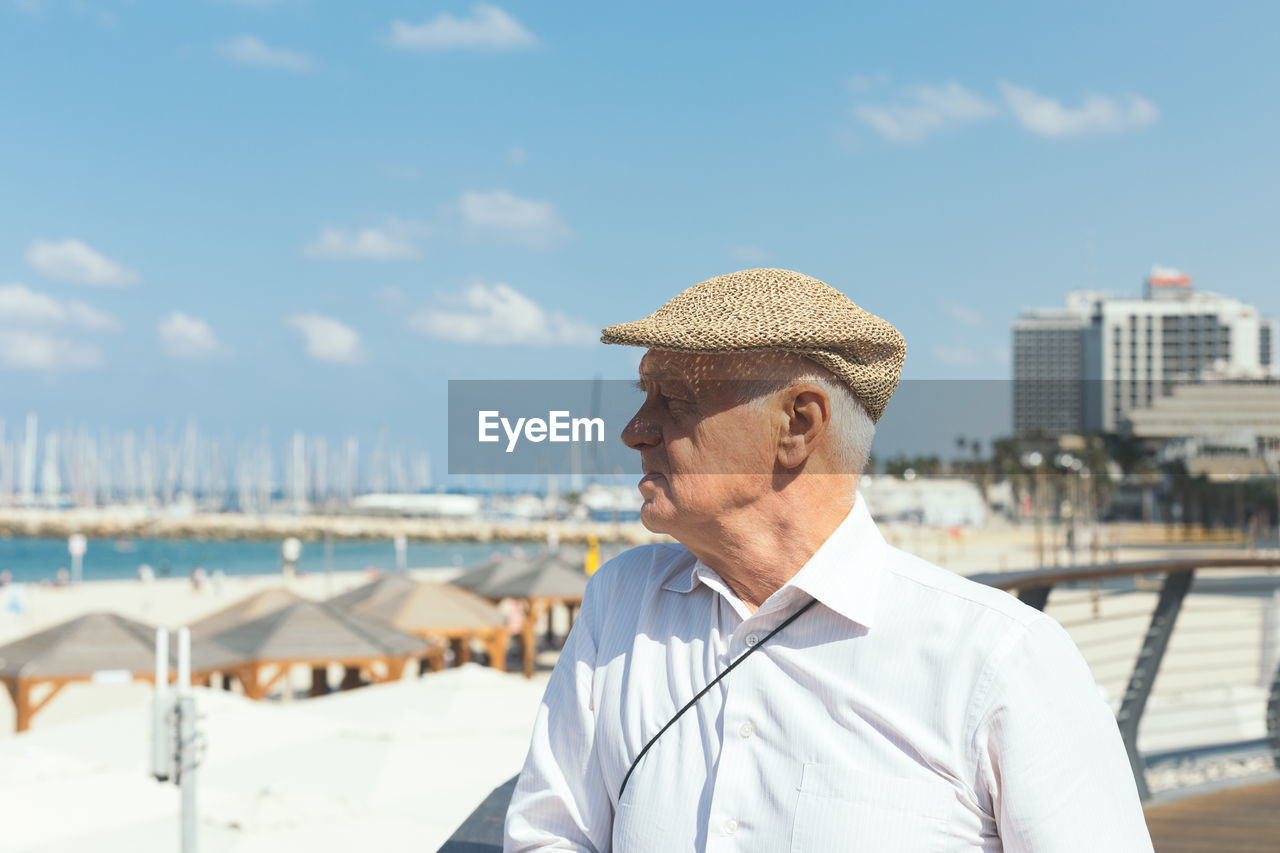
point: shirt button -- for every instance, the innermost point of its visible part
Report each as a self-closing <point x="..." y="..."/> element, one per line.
<point x="752" y="639"/>
<point x="746" y="730"/>
<point x="730" y="826"/>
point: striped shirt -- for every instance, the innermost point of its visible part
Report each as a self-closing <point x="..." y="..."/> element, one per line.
<point x="909" y="710"/>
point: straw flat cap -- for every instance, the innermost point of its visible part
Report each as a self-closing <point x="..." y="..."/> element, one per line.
<point x="769" y="309"/>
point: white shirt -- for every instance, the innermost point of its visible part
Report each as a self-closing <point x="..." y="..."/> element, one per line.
<point x="909" y="710"/>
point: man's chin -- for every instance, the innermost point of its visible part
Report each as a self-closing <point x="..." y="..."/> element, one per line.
<point x="654" y="519"/>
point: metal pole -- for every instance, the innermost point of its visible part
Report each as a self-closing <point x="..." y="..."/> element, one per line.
<point x="186" y="710"/>
<point x="161" y="707"/>
<point x="1147" y="667"/>
<point x="1038" y="500"/>
<point x="328" y="562"/>
<point x="1273" y="718"/>
<point x="187" y="771"/>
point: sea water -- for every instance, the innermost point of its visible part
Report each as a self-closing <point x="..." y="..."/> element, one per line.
<point x="36" y="560"/>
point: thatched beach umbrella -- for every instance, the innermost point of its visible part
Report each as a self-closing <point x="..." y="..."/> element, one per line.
<point x="299" y="632"/>
<point x="92" y="647"/>
<point x="431" y="611"/>
<point x="245" y="610"/>
<point x="556" y="578"/>
<point x="497" y="569"/>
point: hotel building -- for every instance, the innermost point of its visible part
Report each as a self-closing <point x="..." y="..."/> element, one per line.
<point x="1084" y="367"/>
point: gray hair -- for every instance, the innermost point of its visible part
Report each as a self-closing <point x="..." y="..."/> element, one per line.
<point x="851" y="424"/>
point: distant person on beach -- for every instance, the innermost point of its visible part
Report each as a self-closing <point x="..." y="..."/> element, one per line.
<point x="783" y="679"/>
<point x="14" y="600"/>
<point x="514" y="612"/>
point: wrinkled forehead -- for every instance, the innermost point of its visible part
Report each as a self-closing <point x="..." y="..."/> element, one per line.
<point x="699" y="367"/>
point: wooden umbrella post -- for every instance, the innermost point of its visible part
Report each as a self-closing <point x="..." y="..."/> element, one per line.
<point x="496" y="644"/>
<point x="536" y="606"/>
<point x="319" y="680"/>
<point x="23" y="704"/>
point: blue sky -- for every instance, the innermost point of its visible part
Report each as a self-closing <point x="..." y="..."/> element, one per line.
<point x="309" y="215"/>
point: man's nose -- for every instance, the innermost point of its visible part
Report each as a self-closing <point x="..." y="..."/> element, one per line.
<point x="641" y="431"/>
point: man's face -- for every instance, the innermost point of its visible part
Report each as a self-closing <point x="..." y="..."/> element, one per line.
<point x="703" y="453"/>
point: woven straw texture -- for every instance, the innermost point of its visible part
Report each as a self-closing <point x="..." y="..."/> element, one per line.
<point x="771" y="309"/>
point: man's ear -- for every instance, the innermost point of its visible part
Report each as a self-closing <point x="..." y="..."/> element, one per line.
<point x="807" y="416"/>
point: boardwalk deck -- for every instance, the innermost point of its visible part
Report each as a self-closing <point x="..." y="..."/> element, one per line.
<point x="1240" y="820"/>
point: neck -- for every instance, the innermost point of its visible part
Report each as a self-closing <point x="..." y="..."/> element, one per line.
<point x="758" y="549"/>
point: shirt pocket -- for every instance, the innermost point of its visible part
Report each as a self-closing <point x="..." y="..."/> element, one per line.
<point x="841" y="809"/>
<point x="640" y="829"/>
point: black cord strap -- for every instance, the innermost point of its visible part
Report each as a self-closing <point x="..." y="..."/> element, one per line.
<point x="730" y="668"/>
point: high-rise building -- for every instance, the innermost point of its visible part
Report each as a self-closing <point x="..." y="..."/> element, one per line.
<point x="1048" y="371"/>
<point x="1083" y="368"/>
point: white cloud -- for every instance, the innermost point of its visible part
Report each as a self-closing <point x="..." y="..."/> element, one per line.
<point x="867" y="82"/>
<point x="185" y="336"/>
<point x="964" y="315"/>
<point x="512" y="219"/>
<point x="958" y="355"/>
<point x="500" y="315"/>
<point x="21" y="304"/>
<point x="327" y="339"/>
<point x="71" y="260"/>
<point x="25" y="350"/>
<point x="1097" y="114"/>
<point x="88" y="317"/>
<point x="391" y="299"/>
<point x="487" y="28"/>
<point x="394" y="241"/>
<point x="748" y="254"/>
<point x="962" y="355"/>
<point x="249" y="50"/>
<point x="923" y="110"/>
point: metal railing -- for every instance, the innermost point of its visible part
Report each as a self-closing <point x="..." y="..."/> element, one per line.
<point x="1207" y="648"/>
<point x="1219" y="692"/>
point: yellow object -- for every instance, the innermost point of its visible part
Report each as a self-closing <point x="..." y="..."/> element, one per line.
<point x="592" y="561"/>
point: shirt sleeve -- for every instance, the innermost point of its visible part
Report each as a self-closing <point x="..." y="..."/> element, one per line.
<point x="1050" y="753"/>
<point x="560" y="801"/>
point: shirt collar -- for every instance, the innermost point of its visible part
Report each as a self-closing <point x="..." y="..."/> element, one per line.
<point x="844" y="573"/>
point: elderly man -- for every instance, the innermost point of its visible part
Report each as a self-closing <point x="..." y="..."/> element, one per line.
<point x="783" y="679"/>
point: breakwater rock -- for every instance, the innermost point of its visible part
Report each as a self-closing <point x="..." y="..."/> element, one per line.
<point x="109" y="523"/>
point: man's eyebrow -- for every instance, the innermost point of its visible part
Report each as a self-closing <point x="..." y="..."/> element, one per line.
<point x="662" y="374"/>
<point x="673" y="381"/>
